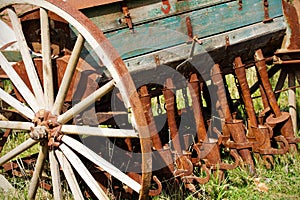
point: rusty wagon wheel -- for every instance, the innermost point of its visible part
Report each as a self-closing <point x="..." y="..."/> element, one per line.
<point x="41" y="103"/>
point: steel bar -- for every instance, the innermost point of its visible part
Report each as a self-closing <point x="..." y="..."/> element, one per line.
<point x="261" y="68"/>
<point x="47" y="63"/>
<point x="240" y="72"/>
<point x="83" y="171"/>
<point x="69" y="174"/>
<point x="198" y="115"/>
<point x="34" y="183"/>
<point x="97" y="131"/>
<point x="19" y="84"/>
<point x="105" y="165"/>
<point x="67" y="78"/>
<point x="280" y="82"/>
<point x="16" y="151"/>
<point x="257" y="84"/>
<point x="146" y="101"/>
<point x="286" y="89"/>
<point x="253" y="133"/>
<point x="264" y="97"/>
<point x="169" y="95"/>
<point x="24" y="50"/>
<point x="55" y="176"/>
<point x="92" y="98"/>
<point x="16" y="125"/>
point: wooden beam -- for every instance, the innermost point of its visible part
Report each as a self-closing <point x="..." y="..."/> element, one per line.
<point x="292" y="100"/>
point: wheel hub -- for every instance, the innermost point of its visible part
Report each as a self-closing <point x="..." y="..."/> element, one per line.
<point x="46" y="128"/>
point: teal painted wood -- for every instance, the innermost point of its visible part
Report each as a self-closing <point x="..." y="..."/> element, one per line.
<point x="172" y="31"/>
<point x="251" y="38"/>
<point x="107" y="17"/>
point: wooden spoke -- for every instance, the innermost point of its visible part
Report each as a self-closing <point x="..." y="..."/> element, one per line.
<point x="40" y="93"/>
<point x="23" y="109"/>
<point x="47" y="64"/>
<point x="16" y="125"/>
<point x="83" y="171"/>
<point x="105" y="165"/>
<point x="96" y="131"/>
<point x="66" y="81"/>
<point x="18" y="83"/>
<point x="24" y="50"/>
<point x="55" y="175"/>
<point x="16" y="151"/>
<point x="86" y="102"/>
<point x="34" y="183"/>
<point x="69" y="174"/>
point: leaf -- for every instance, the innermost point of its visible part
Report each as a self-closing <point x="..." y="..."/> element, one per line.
<point x="262" y="187"/>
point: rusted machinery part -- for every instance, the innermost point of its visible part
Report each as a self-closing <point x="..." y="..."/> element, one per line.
<point x="47" y="124"/>
<point x="152" y="192"/>
<point x="157" y="144"/>
<point x="259" y="135"/>
<point x="201" y="180"/>
<point x="235" y="127"/>
<point x="279" y="119"/>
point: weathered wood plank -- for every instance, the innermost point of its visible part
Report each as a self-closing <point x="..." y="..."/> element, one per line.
<point x="55" y="176"/>
<point x="260" y="34"/>
<point x="5" y="185"/>
<point x="92" y="98"/>
<point x="292" y="99"/>
<point x="83" y="172"/>
<point x="107" y="17"/>
<point x="96" y="131"/>
<point x="172" y="30"/>
<point x="29" y="65"/>
<point x="70" y="175"/>
<point x="19" y="149"/>
<point x="47" y="62"/>
<point x="19" y="83"/>
<point x="105" y="165"/>
<point x="16" y="125"/>
<point x="22" y="108"/>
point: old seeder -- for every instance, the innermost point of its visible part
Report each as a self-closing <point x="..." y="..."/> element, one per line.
<point x="114" y="97"/>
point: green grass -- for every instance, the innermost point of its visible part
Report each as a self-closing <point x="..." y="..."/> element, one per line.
<point x="282" y="182"/>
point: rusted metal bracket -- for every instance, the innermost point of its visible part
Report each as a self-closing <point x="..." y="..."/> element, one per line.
<point x="127" y="18"/>
<point x="189" y="29"/>
<point x="240" y="4"/>
<point x="266" y="11"/>
<point x="195" y="40"/>
<point x="287" y="56"/>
